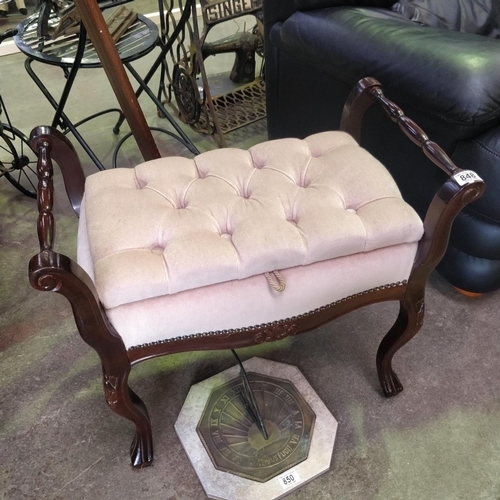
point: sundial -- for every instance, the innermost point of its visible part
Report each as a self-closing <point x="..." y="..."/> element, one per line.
<point x="231" y="436"/>
<point x="230" y="456"/>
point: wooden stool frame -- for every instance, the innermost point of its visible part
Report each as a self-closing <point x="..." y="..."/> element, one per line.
<point x="51" y="271"/>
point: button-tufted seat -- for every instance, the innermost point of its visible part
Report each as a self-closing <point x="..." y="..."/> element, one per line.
<point x="178" y="247"/>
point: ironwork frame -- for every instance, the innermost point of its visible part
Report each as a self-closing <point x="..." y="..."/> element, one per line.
<point x="71" y="70"/>
<point x="184" y="51"/>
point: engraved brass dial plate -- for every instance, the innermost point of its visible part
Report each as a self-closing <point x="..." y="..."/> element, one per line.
<point x="235" y="444"/>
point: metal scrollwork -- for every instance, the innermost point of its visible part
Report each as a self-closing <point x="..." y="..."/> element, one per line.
<point x="186" y="94"/>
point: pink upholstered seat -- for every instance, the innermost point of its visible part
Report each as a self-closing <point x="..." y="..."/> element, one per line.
<point x="177" y="246"/>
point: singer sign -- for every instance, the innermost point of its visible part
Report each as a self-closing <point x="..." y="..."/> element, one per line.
<point x="217" y="11"/>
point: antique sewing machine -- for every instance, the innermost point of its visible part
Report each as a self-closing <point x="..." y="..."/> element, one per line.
<point x="244" y="45"/>
<point x="189" y="92"/>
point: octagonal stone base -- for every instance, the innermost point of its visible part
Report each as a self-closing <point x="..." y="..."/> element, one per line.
<point x="226" y="486"/>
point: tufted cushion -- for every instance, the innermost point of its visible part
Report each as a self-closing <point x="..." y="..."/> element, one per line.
<point x="174" y="225"/>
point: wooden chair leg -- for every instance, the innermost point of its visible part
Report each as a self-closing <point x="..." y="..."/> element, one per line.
<point x="125" y="402"/>
<point x="408" y="323"/>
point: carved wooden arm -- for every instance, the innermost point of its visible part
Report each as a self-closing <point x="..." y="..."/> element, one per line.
<point x="461" y="188"/>
<point x="51" y="144"/>
<point x="54" y="272"/>
<point x="365" y="93"/>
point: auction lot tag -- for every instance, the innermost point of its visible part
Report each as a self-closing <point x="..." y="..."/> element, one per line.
<point x="289" y="478"/>
<point x="466" y="177"/>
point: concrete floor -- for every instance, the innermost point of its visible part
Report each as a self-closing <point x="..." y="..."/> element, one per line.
<point x="439" y="439"/>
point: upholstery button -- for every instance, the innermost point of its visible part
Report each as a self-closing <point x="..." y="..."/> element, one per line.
<point x="292" y="221"/>
<point x="226" y="236"/>
<point x="351" y="210"/>
<point x="157" y="250"/>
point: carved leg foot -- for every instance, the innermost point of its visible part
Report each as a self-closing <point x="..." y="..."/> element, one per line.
<point x="123" y="401"/>
<point x="141" y="449"/>
<point x="408" y="323"/>
<point x="389" y="382"/>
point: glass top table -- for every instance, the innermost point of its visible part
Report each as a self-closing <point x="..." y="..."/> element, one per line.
<point x="76" y="51"/>
<point x="140" y="38"/>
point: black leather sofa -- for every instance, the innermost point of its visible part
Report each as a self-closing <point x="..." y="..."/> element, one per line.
<point x="447" y="81"/>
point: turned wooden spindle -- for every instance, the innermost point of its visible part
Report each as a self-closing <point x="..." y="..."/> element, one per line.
<point x="46" y="224"/>
<point x="434" y="152"/>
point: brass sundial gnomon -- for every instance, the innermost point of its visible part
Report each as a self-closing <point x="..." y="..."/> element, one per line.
<point x="235" y="444"/>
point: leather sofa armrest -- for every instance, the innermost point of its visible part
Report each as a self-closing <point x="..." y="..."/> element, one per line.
<point x="455" y="75"/>
<point x="305" y="5"/>
<point x="278" y="11"/>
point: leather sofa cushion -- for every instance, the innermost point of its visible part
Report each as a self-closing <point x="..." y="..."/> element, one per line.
<point x="304" y="5"/>
<point x="276" y="11"/>
<point x="175" y="224"/>
<point x="476" y="229"/>
<point x="481" y="17"/>
<point x="454" y="75"/>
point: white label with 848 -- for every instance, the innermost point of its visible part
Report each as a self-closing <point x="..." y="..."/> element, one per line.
<point x="466" y="177"/>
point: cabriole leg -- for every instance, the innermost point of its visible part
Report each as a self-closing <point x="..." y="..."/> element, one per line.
<point x="123" y="401"/>
<point x="408" y="323"/>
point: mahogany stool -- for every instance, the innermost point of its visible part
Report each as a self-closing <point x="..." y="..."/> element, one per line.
<point x="235" y="248"/>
